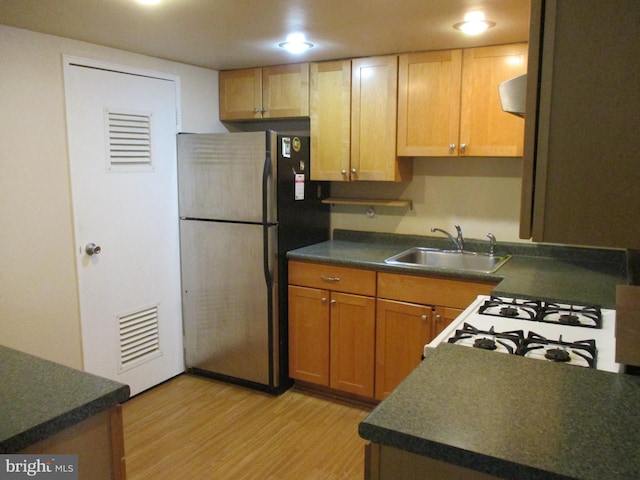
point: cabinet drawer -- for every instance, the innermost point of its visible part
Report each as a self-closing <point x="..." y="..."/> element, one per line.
<point x="331" y="277"/>
<point x="430" y="291"/>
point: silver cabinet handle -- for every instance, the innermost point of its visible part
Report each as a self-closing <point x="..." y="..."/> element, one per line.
<point x="92" y="249"/>
<point x="256" y="109"/>
<point x="463" y="147"/>
<point x="323" y="300"/>
<point x="424" y="317"/>
<point x="438" y="318"/>
<point x="330" y="279"/>
<point x="343" y="172"/>
<point x="332" y="301"/>
<point x="354" y="171"/>
<point x="452" y="147"/>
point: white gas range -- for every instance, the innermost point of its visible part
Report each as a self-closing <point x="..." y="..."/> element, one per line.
<point x="570" y="334"/>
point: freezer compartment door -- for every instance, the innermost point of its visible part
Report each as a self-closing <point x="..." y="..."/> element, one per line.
<point x="226" y="300"/>
<point x="223" y="176"/>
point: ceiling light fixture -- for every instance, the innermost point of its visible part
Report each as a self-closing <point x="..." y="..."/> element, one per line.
<point x="296" y="43"/>
<point x="149" y="2"/>
<point x="474" y="24"/>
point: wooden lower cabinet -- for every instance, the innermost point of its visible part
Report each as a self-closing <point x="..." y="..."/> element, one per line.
<point x="402" y="330"/>
<point x="362" y="332"/>
<point x="431" y="291"/>
<point x="332" y="324"/>
<point x="389" y="463"/>
<point x="443" y="316"/>
<point x="353" y="327"/>
<point x="98" y="441"/>
<point x="332" y="339"/>
<point x="309" y="335"/>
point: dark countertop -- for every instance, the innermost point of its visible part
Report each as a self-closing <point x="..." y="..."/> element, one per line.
<point x="514" y="417"/>
<point x="39" y="398"/>
<point x="542" y="272"/>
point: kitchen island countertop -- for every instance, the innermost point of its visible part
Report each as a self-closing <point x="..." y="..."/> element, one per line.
<point x="562" y="274"/>
<point x="512" y="417"/>
<point x="39" y="398"/>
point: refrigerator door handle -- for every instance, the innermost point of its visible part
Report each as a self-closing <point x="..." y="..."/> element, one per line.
<point x="266" y="176"/>
<point x="268" y="274"/>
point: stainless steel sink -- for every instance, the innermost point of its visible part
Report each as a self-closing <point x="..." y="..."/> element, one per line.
<point x="449" y="259"/>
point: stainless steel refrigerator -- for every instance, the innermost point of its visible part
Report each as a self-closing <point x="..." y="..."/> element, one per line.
<point x="245" y="200"/>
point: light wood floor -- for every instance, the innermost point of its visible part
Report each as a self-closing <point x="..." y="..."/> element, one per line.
<point x="194" y="427"/>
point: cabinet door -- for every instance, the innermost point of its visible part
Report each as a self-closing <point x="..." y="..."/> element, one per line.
<point x="402" y="330"/>
<point x="240" y="94"/>
<point x="285" y="91"/>
<point x="443" y="316"/>
<point x="330" y="112"/>
<point x="374" y="88"/>
<point x="485" y="130"/>
<point x="429" y="103"/>
<point x="352" y="343"/>
<point x="582" y="148"/>
<point x="309" y="335"/>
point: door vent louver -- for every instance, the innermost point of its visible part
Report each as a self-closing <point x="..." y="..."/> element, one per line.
<point x="139" y="337"/>
<point x="129" y="141"/>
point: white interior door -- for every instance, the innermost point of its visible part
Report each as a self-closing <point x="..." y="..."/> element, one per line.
<point x="122" y="150"/>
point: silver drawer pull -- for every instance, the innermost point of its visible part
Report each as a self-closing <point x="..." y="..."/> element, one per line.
<point x="330" y="279"/>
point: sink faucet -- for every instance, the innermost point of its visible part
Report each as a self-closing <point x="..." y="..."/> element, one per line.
<point x="492" y="244"/>
<point x="458" y="242"/>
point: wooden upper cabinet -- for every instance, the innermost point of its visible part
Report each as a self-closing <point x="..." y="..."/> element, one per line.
<point x="330" y="112"/>
<point x="449" y="105"/>
<point x="270" y="92"/>
<point x="240" y="94"/>
<point x="485" y="129"/>
<point x="374" y="90"/>
<point x="285" y="91"/>
<point x="429" y="103"/>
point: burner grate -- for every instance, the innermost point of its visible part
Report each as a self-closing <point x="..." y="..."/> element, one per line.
<point x="536" y="345"/>
<point x="547" y="312"/>
<point x="512" y="308"/>
<point x="588" y="316"/>
<point x="507" y="342"/>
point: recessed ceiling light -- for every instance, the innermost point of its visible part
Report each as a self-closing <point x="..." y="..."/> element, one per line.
<point x="149" y="2"/>
<point x="474" y="23"/>
<point x="296" y="43"/>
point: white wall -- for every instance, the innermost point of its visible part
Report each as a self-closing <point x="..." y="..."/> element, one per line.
<point x="480" y="194"/>
<point x="39" y="310"/>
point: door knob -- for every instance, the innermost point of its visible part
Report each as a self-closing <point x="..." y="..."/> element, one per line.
<point x="92" y="249"/>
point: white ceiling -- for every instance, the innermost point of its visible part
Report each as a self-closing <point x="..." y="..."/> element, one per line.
<point x="224" y="34"/>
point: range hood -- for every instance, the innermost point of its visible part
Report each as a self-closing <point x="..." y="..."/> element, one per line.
<point x="513" y="93"/>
